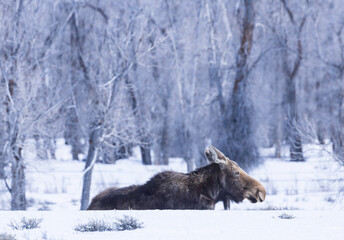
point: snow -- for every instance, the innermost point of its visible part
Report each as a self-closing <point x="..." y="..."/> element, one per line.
<point x="187" y="225"/>
<point x="311" y="191"/>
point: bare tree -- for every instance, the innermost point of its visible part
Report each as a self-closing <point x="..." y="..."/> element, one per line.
<point x="160" y="114"/>
<point x="87" y="94"/>
<point x="330" y="89"/>
<point x="240" y="140"/>
<point x="25" y="107"/>
<point x="108" y="122"/>
<point x="137" y="111"/>
<point x="290" y="70"/>
<point x="14" y="142"/>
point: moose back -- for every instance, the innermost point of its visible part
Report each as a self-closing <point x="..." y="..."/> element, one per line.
<point x="221" y="180"/>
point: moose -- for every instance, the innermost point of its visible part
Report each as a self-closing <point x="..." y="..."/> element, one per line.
<point x="221" y="180"/>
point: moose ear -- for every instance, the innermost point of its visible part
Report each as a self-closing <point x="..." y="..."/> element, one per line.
<point x="214" y="155"/>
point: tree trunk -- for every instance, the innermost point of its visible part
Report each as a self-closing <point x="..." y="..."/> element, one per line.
<point x="294" y="138"/>
<point x="161" y="149"/>
<point x="145" y="155"/>
<point x="3" y="136"/>
<point x="278" y="134"/>
<point x="72" y="126"/>
<point x="164" y="142"/>
<point x="51" y="145"/>
<point x="190" y="164"/>
<point x="320" y="106"/>
<point x="90" y="160"/>
<point x="2" y="157"/>
<point x="337" y="130"/>
<point x="144" y="146"/>
<point x="143" y="138"/>
<point x="75" y="144"/>
<point x="240" y="141"/>
<point x="41" y="150"/>
<point x="18" y="198"/>
<point x="2" y="166"/>
<point x="73" y="134"/>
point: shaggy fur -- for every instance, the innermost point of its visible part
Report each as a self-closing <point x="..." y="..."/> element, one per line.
<point x="222" y="180"/>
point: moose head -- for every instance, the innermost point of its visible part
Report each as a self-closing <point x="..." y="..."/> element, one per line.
<point x="237" y="185"/>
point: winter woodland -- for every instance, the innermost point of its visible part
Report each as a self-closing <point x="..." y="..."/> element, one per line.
<point x="169" y="77"/>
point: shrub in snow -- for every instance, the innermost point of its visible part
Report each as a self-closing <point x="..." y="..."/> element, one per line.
<point x="99" y="225"/>
<point x="6" y="236"/>
<point x="128" y="223"/>
<point x="95" y="225"/>
<point x="286" y="216"/>
<point x="26" y="223"/>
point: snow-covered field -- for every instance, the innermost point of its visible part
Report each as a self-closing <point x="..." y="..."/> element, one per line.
<point x="307" y="225"/>
<point x="311" y="191"/>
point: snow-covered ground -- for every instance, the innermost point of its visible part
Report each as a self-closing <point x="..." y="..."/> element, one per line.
<point x="311" y="191"/>
<point x="200" y="225"/>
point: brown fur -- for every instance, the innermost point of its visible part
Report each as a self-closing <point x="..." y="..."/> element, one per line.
<point x="222" y="180"/>
<point x="104" y="200"/>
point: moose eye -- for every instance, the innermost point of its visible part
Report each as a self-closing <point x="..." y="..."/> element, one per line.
<point x="237" y="173"/>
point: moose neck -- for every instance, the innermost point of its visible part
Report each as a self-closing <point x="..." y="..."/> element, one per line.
<point x="208" y="180"/>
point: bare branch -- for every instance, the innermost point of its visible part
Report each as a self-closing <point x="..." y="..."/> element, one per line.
<point x="99" y="10"/>
<point x="319" y="48"/>
<point x="289" y="12"/>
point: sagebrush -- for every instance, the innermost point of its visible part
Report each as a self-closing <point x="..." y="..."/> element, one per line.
<point x="128" y="223"/>
<point x="7" y="236"/>
<point x="95" y="225"/>
<point x="100" y="225"/>
<point x="286" y="216"/>
<point x="26" y="223"/>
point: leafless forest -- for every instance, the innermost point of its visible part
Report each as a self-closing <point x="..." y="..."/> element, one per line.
<point x="170" y="77"/>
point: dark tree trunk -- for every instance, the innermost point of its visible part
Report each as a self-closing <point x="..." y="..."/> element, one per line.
<point x="278" y="135"/>
<point x="277" y="109"/>
<point x="3" y="161"/>
<point x="320" y="106"/>
<point x="75" y="143"/>
<point x="146" y="156"/>
<point x="240" y="141"/>
<point x="338" y="142"/>
<point x="144" y="147"/>
<point x="293" y="135"/>
<point x="337" y="129"/>
<point x="18" y="198"/>
<point x="237" y="114"/>
<point x="143" y="138"/>
<point x="294" y="138"/>
<point x="161" y="149"/>
<point x="3" y="137"/>
<point x="72" y="134"/>
<point x="2" y="166"/>
<point x="164" y="142"/>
